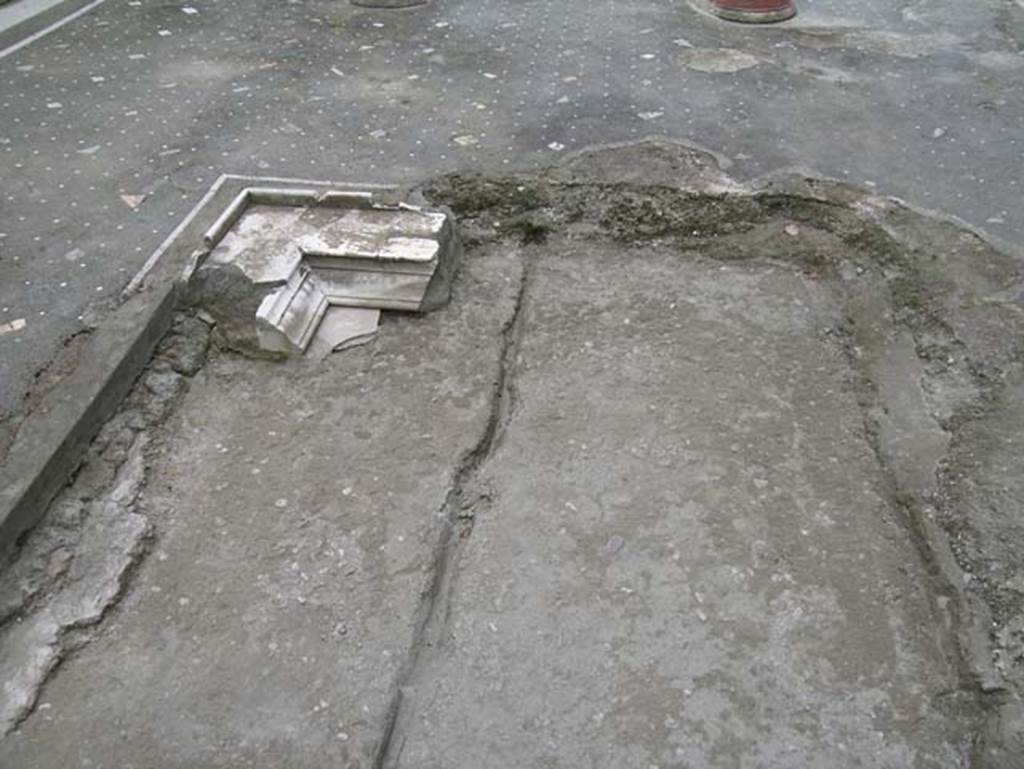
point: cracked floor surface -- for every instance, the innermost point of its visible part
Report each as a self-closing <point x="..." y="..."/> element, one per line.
<point x="688" y="558"/>
<point x="654" y="490"/>
<point x="297" y="530"/>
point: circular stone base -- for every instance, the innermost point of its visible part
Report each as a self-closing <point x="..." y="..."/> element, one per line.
<point x="754" y="11"/>
<point x="388" y="3"/>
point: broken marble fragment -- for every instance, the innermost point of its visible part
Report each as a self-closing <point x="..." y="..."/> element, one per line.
<point x="277" y="264"/>
<point x="343" y="328"/>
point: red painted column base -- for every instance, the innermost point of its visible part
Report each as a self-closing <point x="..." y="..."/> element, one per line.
<point x="754" y="11"/>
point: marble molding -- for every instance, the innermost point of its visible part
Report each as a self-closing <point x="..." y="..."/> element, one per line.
<point x="299" y="254"/>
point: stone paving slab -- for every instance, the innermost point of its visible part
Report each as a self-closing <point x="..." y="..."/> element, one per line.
<point x="297" y="514"/>
<point x="689" y="557"/>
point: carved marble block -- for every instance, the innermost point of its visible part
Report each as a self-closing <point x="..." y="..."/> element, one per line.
<point x="289" y="257"/>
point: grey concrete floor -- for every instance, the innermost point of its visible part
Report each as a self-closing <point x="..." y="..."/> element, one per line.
<point x="143" y="98"/>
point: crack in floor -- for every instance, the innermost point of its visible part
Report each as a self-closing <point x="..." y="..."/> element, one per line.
<point x="436" y="605"/>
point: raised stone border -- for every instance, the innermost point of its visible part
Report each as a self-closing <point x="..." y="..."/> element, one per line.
<point x="52" y="439"/>
<point x="24" y="21"/>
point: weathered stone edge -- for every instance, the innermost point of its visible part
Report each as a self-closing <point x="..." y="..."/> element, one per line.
<point x="20" y="32"/>
<point x="53" y="438"/>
